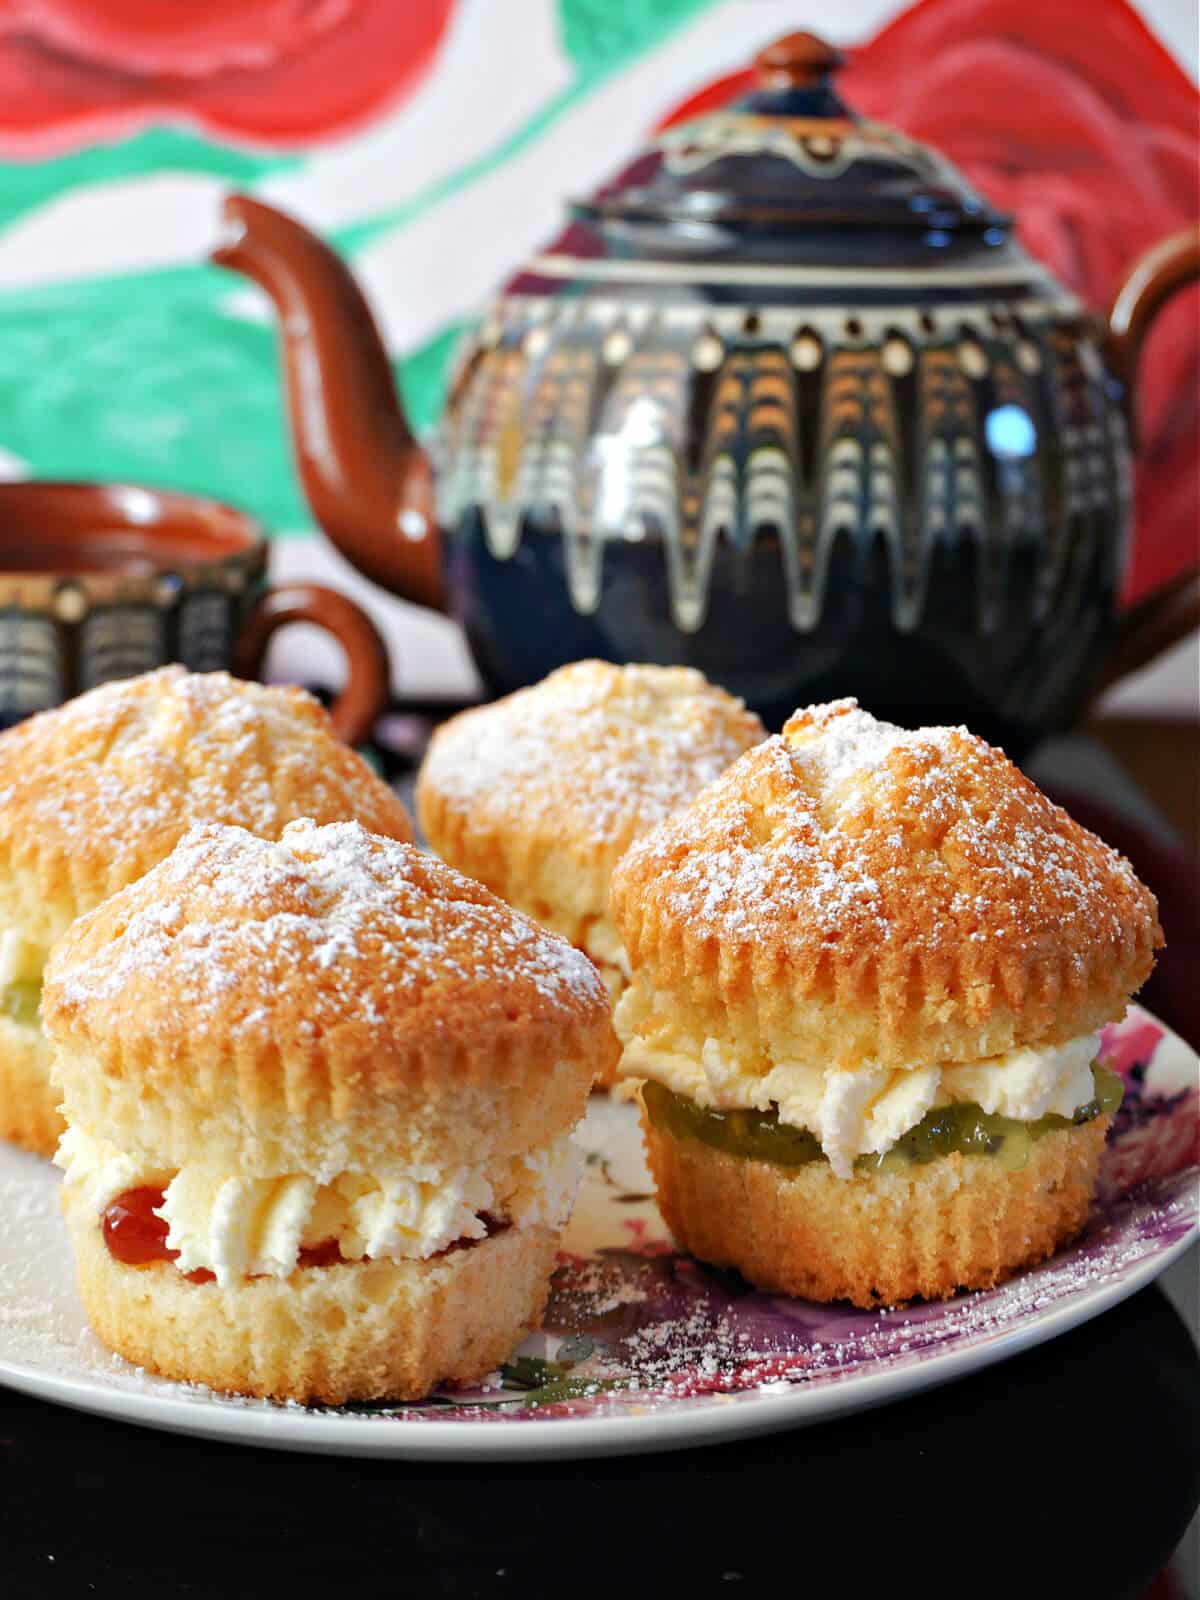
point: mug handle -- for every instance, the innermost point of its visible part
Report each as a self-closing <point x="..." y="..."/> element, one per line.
<point x="365" y="696"/>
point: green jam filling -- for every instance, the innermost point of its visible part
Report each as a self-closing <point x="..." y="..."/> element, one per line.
<point x="967" y="1129"/>
<point x="22" y="999"/>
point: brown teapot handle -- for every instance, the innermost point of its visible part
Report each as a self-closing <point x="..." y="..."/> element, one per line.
<point x="365" y="696"/>
<point x="1171" y="612"/>
<point x="1164" y="617"/>
<point x="1154" y="277"/>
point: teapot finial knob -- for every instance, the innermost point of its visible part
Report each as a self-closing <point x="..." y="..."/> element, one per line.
<point x="797" y="61"/>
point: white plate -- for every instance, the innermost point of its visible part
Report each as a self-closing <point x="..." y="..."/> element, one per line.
<point x="649" y="1350"/>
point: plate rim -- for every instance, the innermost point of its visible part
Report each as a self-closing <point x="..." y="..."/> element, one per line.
<point x="722" y="1418"/>
<point x="719" y="1419"/>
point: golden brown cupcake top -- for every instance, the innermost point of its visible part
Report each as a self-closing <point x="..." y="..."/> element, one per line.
<point x="539" y="794"/>
<point x="262" y="1002"/>
<point x="100" y="789"/>
<point x="850" y="891"/>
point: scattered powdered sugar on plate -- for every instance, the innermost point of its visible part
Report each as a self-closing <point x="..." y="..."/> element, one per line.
<point x="40" y="1318"/>
<point x="636" y="1332"/>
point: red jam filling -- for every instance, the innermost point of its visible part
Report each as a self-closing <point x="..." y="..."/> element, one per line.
<point x="136" y="1236"/>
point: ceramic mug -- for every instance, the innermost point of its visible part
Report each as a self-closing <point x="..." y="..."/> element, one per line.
<point x="101" y="581"/>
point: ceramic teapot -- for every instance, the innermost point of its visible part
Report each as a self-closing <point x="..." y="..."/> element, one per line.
<point x="785" y="400"/>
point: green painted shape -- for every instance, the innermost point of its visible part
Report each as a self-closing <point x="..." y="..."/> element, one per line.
<point x="26" y="184"/>
<point x="600" y="36"/>
<point x="146" y="377"/>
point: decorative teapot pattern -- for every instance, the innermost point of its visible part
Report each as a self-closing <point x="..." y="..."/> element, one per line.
<point x="784" y="400"/>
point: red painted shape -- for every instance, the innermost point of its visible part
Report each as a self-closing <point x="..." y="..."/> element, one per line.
<point x="275" y="72"/>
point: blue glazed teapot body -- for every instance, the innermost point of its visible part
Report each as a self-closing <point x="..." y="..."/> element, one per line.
<point x="785" y="401"/>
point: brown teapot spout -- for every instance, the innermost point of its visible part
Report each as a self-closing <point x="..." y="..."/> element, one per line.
<point x="368" y="481"/>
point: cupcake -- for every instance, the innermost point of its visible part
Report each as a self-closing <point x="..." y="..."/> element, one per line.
<point x="96" y="792"/>
<point x="540" y="794"/>
<point x="319" y="1094"/>
<point x="869" y="970"/>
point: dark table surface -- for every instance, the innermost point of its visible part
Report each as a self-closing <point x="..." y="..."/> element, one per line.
<point x="1070" y="1470"/>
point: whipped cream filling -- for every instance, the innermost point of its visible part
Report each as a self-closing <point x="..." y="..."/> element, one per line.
<point x="603" y="943"/>
<point x="864" y="1112"/>
<point x="21" y="961"/>
<point x="240" y="1227"/>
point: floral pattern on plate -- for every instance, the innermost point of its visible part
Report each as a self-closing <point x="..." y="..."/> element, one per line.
<point x="632" y="1323"/>
<point x="644" y="1348"/>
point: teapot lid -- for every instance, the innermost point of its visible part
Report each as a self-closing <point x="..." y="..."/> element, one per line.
<point x="789" y="155"/>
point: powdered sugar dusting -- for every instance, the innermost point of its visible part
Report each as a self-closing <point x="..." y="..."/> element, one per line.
<point x="228" y="919"/>
<point x="141" y="778"/>
<point x="839" y="741"/>
<point x="121" y="772"/>
<point x="614" y="749"/>
<point x="845" y="825"/>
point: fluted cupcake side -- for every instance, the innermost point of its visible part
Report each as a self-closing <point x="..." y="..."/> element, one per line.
<point x="869" y="969"/>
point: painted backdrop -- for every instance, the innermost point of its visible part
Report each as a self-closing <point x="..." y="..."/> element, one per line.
<point x="434" y="141"/>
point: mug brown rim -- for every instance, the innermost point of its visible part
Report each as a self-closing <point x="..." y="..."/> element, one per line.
<point x="69" y="510"/>
<point x="225" y="550"/>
